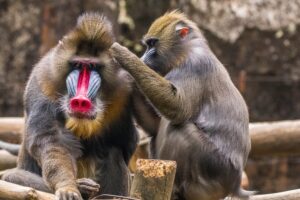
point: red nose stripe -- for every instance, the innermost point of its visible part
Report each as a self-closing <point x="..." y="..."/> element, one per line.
<point x="83" y="81"/>
<point x="80" y="102"/>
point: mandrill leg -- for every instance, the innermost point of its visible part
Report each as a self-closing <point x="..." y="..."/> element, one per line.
<point x="25" y="178"/>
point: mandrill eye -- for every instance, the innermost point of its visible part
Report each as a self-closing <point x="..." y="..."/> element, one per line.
<point x="75" y="65"/>
<point x="151" y="42"/>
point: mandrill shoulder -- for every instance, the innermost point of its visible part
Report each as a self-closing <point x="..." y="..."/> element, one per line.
<point x="44" y="77"/>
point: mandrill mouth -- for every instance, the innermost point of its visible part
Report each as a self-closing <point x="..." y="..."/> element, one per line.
<point x="80" y="115"/>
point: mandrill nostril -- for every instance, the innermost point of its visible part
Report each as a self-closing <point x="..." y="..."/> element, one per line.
<point x="76" y="104"/>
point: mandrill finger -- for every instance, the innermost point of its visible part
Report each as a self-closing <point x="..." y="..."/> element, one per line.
<point x="125" y="57"/>
<point x="85" y="188"/>
<point x="63" y="196"/>
<point x="116" y="46"/>
<point x="119" y="51"/>
<point x="58" y="196"/>
<point x="76" y="196"/>
<point x="72" y="196"/>
<point x="87" y="182"/>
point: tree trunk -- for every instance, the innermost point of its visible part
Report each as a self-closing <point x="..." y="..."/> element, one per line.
<point x="153" y="179"/>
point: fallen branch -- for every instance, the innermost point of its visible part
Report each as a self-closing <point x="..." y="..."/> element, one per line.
<point x="10" y="191"/>
<point x="275" y="138"/>
<point x="287" y="195"/>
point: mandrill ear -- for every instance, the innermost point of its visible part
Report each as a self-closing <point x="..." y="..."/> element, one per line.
<point x="182" y="31"/>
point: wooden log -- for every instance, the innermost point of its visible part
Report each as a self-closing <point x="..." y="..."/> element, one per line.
<point x="286" y="195"/>
<point x="281" y="138"/>
<point x="11" y="148"/>
<point x="10" y="191"/>
<point x="7" y="160"/>
<point x="112" y="197"/>
<point x="275" y="138"/>
<point x="11" y="129"/>
<point x="153" y="179"/>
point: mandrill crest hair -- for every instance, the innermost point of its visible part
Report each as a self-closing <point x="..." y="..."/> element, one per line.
<point x="95" y="28"/>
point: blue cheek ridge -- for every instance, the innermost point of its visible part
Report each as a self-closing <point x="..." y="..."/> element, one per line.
<point x="71" y="82"/>
<point x="94" y="84"/>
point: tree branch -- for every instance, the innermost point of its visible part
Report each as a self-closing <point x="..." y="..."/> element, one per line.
<point x="280" y="138"/>
<point x="10" y="191"/>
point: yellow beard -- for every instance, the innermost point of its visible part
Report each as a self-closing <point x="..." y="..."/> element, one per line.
<point x="85" y="128"/>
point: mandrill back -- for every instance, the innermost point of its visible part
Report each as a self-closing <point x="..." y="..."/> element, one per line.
<point x="78" y="112"/>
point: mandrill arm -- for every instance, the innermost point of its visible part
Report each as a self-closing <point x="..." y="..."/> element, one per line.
<point x="51" y="146"/>
<point x="169" y="99"/>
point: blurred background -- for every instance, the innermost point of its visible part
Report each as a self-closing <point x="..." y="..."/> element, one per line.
<point x="257" y="40"/>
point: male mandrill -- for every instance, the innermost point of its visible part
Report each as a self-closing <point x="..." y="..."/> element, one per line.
<point x="203" y="122"/>
<point x="78" y="113"/>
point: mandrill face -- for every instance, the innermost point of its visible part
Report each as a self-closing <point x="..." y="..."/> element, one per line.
<point x="83" y="84"/>
<point x="95" y="93"/>
<point x="81" y="76"/>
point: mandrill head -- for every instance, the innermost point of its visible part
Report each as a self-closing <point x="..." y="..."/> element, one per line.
<point x="170" y="41"/>
<point x="85" y="79"/>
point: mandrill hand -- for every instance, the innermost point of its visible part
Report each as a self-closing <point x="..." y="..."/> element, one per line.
<point x="126" y="58"/>
<point x="67" y="193"/>
<point x="87" y="187"/>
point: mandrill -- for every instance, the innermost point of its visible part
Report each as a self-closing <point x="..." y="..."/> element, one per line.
<point x="190" y="106"/>
<point x="79" y="131"/>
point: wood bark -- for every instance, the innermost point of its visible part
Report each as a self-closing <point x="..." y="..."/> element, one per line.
<point x="11" y="148"/>
<point x="112" y="197"/>
<point x="10" y="191"/>
<point x="280" y="138"/>
<point x="286" y="195"/>
<point x="153" y="179"/>
<point x="11" y="129"/>
<point x="7" y="160"/>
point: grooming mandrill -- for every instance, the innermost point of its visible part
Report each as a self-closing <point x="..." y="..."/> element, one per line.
<point x="203" y="122"/>
<point x="78" y="113"/>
